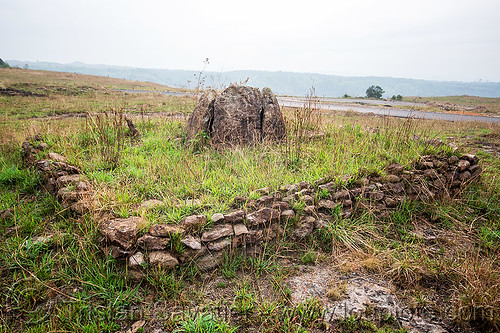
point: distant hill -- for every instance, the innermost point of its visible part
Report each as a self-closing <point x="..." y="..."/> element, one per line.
<point x="284" y="83"/>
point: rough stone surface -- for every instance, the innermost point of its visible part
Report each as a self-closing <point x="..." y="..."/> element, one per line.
<point x="217" y="232"/>
<point x="273" y="125"/>
<point x="67" y="180"/>
<point x="240" y="229"/>
<point x="239" y="115"/>
<point x="210" y="261"/>
<point x="235" y="217"/>
<point x="305" y="228"/>
<point x="194" y="222"/>
<point x="219" y="244"/>
<point x="191" y="242"/>
<point x="136" y="261"/>
<point x="163" y="259"/>
<point x="217" y="217"/>
<point x="122" y="232"/>
<point x="263" y="216"/>
<point x="152" y="243"/>
<point x="57" y="157"/>
<point x="287" y="214"/>
<point x="165" y="230"/>
<point x="202" y="116"/>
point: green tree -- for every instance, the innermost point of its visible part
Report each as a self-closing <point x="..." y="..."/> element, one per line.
<point x="397" y="98"/>
<point x="3" y="64"/>
<point x="374" y="92"/>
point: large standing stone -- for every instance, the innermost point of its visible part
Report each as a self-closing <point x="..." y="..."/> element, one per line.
<point x="273" y="125"/>
<point x="239" y="115"/>
<point x="202" y="116"/>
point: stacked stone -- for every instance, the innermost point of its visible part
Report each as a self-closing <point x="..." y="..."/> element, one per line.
<point x="256" y="221"/>
<point x="62" y="179"/>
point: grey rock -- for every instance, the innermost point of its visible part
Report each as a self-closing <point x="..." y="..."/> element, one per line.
<point x="287" y="214"/>
<point x="57" y="157"/>
<point x="305" y="228"/>
<point x="219" y="244"/>
<point x="194" y="222"/>
<point x="217" y="217"/>
<point x="191" y="242"/>
<point x="263" y="216"/>
<point x="453" y="160"/>
<point x="473" y="159"/>
<point x="122" y="232"/>
<point x="235" y="217"/>
<point x="326" y="204"/>
<point x="240" y="229"/>
<point x="392" y="179"/>
<point x="136" y="261"/>
<point x="339" y="195"/>
<point x="463" y="165"/>
<point x="152" y="243"/>
<point x="163" y="259"/>
<point x="69" y="179"/>
<point x="217" y="232"/>
<point x="210" y="261"/>
<point x="463" y="176"/>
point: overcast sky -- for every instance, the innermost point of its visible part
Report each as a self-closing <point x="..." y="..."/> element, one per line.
<point x="427" y="39"/>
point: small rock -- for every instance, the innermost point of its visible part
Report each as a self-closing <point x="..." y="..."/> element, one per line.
<point x="163" y="259"/>
<point x="308" y="200"/>
<point x="347" y="203"/>
<point x="165" y="230"/>
<point x="329" y="187"/>
<point x="376" y="195"/>
<point x="194" y="222"/>
<point x="122" y="232"/>
<point x="287" y="214"/>
<point x="152" y="243"/>
<point x="310" y="210"/>
<point x="453" y="159"/>
<point x="392" y="179"/>
<point x="254" y="236"/>
<point x="473" y="159"/>
<point x="463" y="165"/>
<point x="210" y="261"/>
<point x="67" y="180"/>
<point x="218" y="231"/>
<point x="191" y="242"/>
<point x="262" y="216"/>
<point x="306" y="227"/>
<point x="389" y="202"/>
<point x="136" y="261"/>
<point x="219" y="244"/>
<point x="463" y="176"/>
<point x="57" y="157"/>
<point x="281" y="205"/>
<point x="326" y="204"/>
<point x="240" y="229"/>
<point x="217" y="217"/>
<point x="135" y="275"/>
<point x="342" y="194"/>
<point x="235" y="217"/>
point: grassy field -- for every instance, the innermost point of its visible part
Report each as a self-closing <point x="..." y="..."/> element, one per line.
<point x="55" y="277"/>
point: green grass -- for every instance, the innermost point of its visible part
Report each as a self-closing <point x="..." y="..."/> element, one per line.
<point x="64" y="282"/>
